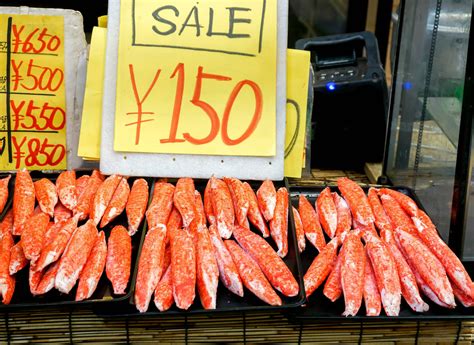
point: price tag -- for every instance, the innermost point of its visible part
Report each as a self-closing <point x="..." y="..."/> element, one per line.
<point x="32" y="92"/>
<point x="197" y="77"/>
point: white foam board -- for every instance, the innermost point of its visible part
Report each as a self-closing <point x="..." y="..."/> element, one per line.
<point x="74" y="47"/>
<point x="77" y="162"/>
<point x="198" y="166"/>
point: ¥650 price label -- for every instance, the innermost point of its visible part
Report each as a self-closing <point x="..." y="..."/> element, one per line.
<point x="32" y="92"/>
<point x="197" y="77"/>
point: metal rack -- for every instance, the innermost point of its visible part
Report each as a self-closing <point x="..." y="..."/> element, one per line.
<point x="83" y="326"/>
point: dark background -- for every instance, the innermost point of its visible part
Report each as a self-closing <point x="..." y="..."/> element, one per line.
<point x="90" y="9"/>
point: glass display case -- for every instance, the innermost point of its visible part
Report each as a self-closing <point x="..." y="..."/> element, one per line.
<point x="429" y="135"/>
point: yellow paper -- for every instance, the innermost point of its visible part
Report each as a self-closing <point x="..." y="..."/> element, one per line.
<point x="32" y="92"/>
<point x="102" y="20"/>
<point x="297" y="95"/>
<point x="89" y="140"/>
<point x="177" y="71"/>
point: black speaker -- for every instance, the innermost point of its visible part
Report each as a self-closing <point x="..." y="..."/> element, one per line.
<point x="350" y="107"/>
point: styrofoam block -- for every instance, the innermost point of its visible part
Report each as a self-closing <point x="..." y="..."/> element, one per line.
<point x="77" y="162"/>
<point x="199" y="166"/>
<point x="74" y="46"/>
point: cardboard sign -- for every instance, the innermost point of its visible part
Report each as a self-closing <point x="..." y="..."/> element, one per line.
<point x="32" y="92"/>
<point x="297" y="78"/>
<point x="197" y="77"/>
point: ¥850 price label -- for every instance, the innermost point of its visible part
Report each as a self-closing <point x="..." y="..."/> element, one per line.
<point x="197" y="77"/>
<point x="32" y="92"/>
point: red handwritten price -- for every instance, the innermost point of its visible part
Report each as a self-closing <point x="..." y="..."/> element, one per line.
<point x="36" y="152"/>
<point x="30" y="116"/>
<point x="35" y="97"/>
<point x="36" y="41"/>
<point x="36" y="77"/>
<point x="217" y="124"/>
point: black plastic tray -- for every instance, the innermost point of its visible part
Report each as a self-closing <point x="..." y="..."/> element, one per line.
<point x="103" y="295"/>
<point x="319" y="308"/>
<point x="227" y="301"/>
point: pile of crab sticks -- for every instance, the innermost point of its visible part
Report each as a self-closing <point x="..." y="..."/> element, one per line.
<point x="55" y="229"/>
<point x="182" y="254"/>
<point x="381" y="247"/>
<point x="389" y="249"/>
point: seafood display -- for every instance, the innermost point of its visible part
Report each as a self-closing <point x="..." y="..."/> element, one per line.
<point x="382" y="249"/>
<point x="211" y="243"/>
<point x="68" y="240"/>
<point x="376" y="249"/>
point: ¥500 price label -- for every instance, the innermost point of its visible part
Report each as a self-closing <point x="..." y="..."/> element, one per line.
<point x="32" y="92"/>
<point x="197" y="77"/>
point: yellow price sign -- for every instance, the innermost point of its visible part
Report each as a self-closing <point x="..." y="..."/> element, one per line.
<point x="197" y="77"/>
<point x="297" y="77"/>
<point x="91" y="122"/>
<point x="32" y="92"/>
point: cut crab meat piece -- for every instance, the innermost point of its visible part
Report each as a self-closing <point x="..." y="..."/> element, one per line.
<point x="32" y="236"/>
<point x="408" y="205"/>
<point x="270" y="263"/>
<point x="23" y="200"/>
<point x="407" y="279"/>
<point x="223" y="207"/>
<point x="252" y="275"/>
<point x="239" y="199"/>
<point x="453" y="266"/>
<point x="357" y="201"/>
<point x="266" y="196"/>
<point x="93" y="269"/>
<point x="373" y="304"/>
<point x="183" y="267"/>
<point x="299" y="230"/>
<point x="311" y="226"/>
<point x="398" y="218"/>
<point x="228" y="273"/>
<point x="320" y="268"/>
<point x="279" y="222"/>
<point x="53" y="250"/>
<point x="150" y="267"/>
<point x="136" y="205"/>
<point x="66" y="188"/>
<point x="386" y="274"/>
<point x="117" y="203"/>
<point x="161" y="205"/>
<point x="184" y="199"/>
<point x="352" y="273"/>
<point x="75" y="256"/>
<point x="103" y="196"/>
<point x="344" y="217"/>
<point x="427" y="265"/>
<point x="327" y="212"/>
<point x="4" y="191"/>
<point x="119" y="259"/>
<point x="85" y="199"/>
<point x="254" y="214"/>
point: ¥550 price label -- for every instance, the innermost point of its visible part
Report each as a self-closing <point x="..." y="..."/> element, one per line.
<point x="197" y="77"/>
<point x="32" y="92"/>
